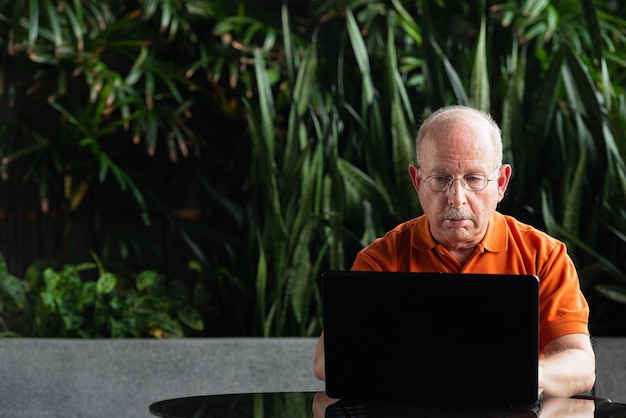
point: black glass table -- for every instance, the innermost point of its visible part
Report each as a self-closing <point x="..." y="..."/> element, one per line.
<point x="318" y="405"/>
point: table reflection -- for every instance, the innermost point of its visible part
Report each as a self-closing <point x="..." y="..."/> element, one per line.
<point x="326" y="407"/>
<point x="319" y="405"/>
<point x="567" y="407"/>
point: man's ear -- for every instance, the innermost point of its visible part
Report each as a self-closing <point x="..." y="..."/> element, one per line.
<point x="504" y="176"/>
<point x="414" y="172"/>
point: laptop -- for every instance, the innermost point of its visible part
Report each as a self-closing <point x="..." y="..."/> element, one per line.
<point x="431" y="338"/>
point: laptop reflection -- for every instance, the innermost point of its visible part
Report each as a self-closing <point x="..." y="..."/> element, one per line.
<point x="326" y="407"/>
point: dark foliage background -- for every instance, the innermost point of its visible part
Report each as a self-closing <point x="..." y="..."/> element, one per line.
<point x="189" y="168"/>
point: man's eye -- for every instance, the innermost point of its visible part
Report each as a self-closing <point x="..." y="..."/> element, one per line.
<point x="440" y="179"/>
<point x="473" y="179"/>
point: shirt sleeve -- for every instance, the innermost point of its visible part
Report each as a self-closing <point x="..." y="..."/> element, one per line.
<point x="563" y="309"/>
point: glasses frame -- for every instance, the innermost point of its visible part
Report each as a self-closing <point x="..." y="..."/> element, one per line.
<point x="460" y="180"/>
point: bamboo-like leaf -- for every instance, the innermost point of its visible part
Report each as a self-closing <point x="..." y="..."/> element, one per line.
<point x="33" y="23"/>
<point x="265" y="142"/>
<point x="408" y="23"/>
<point x="584" y="87"/>
<point x="613" y="150"/>
<point x="235" y="212"/>
<point x="607" y="85"/>
<point x="361" y="56"/>
<point x="151" y="132"/>
<point x="169" y="80"/>
<point x="593" y="28"/>
<point x="402" y="157"/>
<point x="266" y="101"/>
<point x="55" y="25"/>
<point x="299" y="273"/>
<point x="306" y="80"/>
<point x="398" y="84"/>
<point x="574" y="194"/>
<point x="552" y="22"/>
<point x="150" y="86"/>
<point x="297" y="136"/>
<point x="512" y="115"/>
<point x="362" y="183"/>
<point x="533" y="8"/>
<point x="288" y="42"/>
<point x="616" y="292"/>
<point x="150" y="7"/>
<point x="261" y="283"/>
<point x="432" y="71"/>
<point x="541" y="115"/>
<point x="308" y="182"/>
<point x="166" y="15"/>
<point x="401" y="138"/>
<point x="76" y="24"/>
<point x="557" y="230"/>
<point x="136" y="70"/>
<point x="71" y="118"/>
<point x="453" y="76"/>
<point x="479" y="86"/>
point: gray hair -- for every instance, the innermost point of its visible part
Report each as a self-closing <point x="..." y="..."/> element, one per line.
<point x="440" y="123"/>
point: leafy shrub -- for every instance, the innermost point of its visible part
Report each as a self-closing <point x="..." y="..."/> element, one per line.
<point x="74" y="302"/>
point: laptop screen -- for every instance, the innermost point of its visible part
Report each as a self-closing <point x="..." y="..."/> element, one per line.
<point x="431" y="337"/>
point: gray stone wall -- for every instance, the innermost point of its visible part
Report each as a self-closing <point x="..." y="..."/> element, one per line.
<point x="121" y="378"/>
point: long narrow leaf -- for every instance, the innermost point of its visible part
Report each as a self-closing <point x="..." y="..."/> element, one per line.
<point x="453" y="76"/>
<point x="266" y="101"/>
<point x="557" y="230"/>
<point x="55" y="25"/>
<point x="361" y="182"/>
<point x="479" y="87"/>
<point x="33" y="23"/>
<point x="361" y="56"/>
<point x="261" y="284"/>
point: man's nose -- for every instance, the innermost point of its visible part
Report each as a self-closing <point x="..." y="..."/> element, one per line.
<point x="457" y="194"/>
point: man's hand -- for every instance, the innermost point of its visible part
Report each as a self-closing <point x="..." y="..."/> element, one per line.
<point x="568" y="366"/>
<point x="319" y="367"/>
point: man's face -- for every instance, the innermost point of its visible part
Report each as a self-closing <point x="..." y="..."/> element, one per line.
<point x="459" y="217"/>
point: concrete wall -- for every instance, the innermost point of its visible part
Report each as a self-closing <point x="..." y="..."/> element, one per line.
<point x="121" y="378"/>
<point x="610" y="368"/>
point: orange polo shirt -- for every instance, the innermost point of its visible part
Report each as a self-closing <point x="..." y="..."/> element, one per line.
<point x="509" y="247"/>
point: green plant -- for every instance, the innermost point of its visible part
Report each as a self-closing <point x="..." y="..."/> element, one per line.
<point x="578" y="121"/>
<point x="301" y="118"/>
<point x="64" y="302"/>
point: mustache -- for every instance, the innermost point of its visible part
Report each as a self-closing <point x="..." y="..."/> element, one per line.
<point x="456" y="213"/>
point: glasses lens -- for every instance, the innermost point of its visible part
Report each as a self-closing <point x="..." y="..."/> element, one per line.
<point x="475" y="183"/>
<point x="438" y="183"/>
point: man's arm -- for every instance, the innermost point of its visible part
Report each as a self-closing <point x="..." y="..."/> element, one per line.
<point x="568" y="366"/>
<point x="319" y="367"/>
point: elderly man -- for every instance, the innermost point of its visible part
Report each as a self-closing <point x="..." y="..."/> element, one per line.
<point x="460" y="179"/>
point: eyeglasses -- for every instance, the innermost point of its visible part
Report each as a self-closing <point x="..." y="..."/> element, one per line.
<point x="473" y="183"/>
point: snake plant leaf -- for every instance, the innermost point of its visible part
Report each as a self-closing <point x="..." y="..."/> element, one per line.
<point x="584" y="86"/>
<point x="593" y="27"/>
<point x="555" y="229"/>
<point x="455" y="80"/>
<point x="409" y="24"/>
<point x="363" y="184"/>
<point x="479" y="85"/>
<point x="613" y="291"/>
<point x="361" y="55"/>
